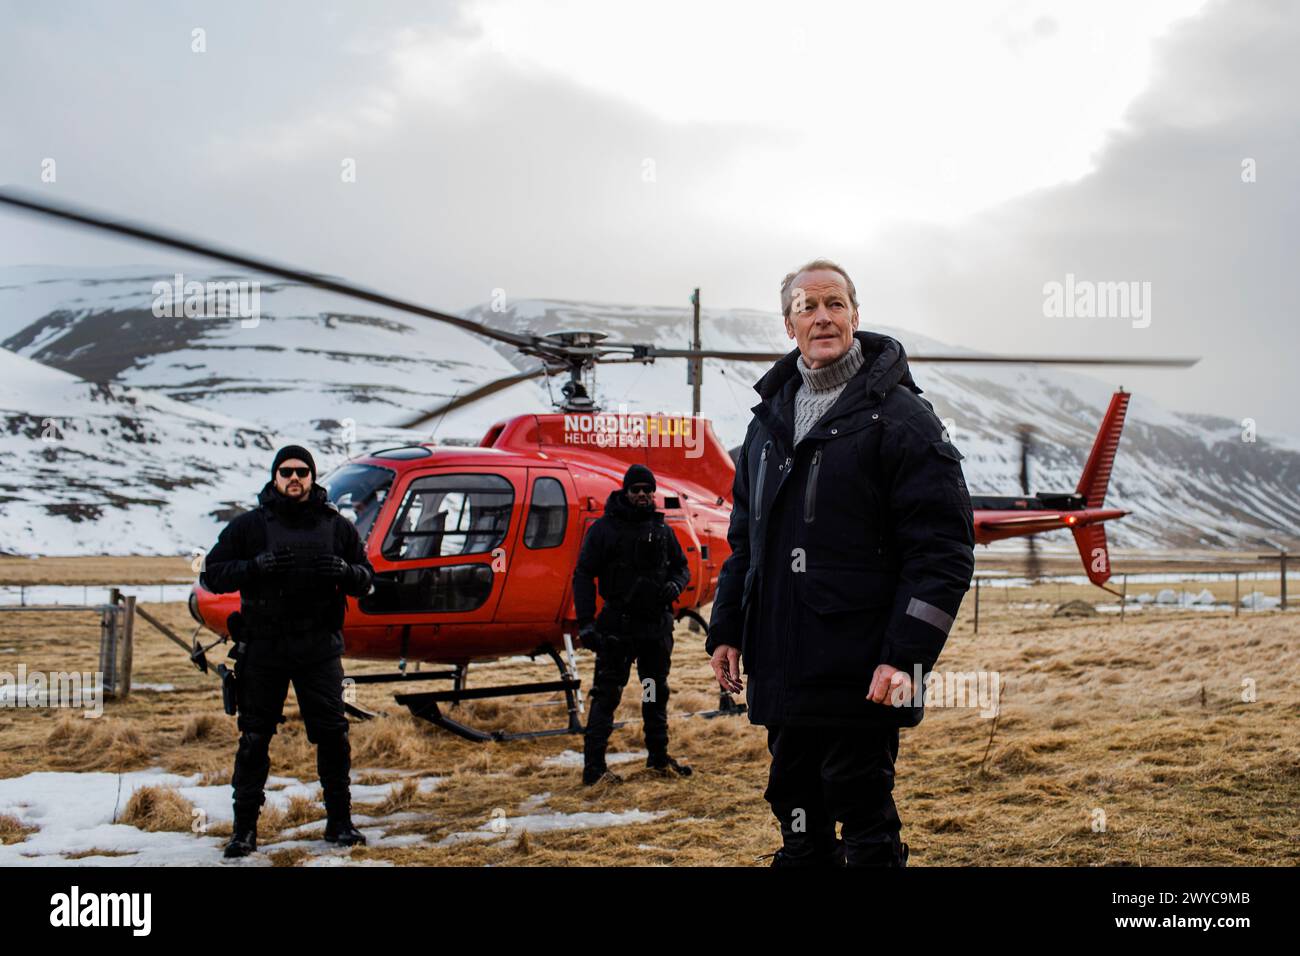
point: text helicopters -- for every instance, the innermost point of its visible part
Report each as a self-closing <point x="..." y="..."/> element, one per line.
<point x="474" y="548"/>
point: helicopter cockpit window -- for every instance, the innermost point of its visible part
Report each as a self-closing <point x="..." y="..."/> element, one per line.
<point x="359" y="492"/>
<point x="448" y="515"/>
<point x="547" y="515"/>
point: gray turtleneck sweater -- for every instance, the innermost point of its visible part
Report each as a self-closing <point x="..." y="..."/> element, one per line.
<point x="821" y="387"/>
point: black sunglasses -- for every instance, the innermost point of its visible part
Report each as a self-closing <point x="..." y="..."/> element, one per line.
<point x="640" y="490"/>
<point x="286" y="472"/>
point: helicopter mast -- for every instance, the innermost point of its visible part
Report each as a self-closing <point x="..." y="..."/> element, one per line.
<point x="695" y="366"/>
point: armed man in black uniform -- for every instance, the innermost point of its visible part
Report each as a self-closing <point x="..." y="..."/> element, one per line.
<point x="292" y="560"/>
<point x="641" y="569"/>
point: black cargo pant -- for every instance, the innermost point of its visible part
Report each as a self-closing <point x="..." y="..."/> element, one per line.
<point x="653" y="656"/>
<point x="263" y="677"/>
<point x="821" y="775"/>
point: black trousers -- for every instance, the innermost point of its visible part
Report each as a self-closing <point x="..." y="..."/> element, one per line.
<point x="823" y="775"/>
<point x="653" y="657"/>
<point x="263" y="684"/>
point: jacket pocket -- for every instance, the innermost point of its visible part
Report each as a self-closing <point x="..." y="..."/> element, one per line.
<point x="843" y="618"/>
<point x="953" y="482"/>
<point x="947" y="450"/>
<point x="810" y="495"/>
<point x="758" y="485"/>
<point x="748" y="646"/>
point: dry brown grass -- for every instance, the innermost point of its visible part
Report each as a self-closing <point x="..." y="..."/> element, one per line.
<point x="401" y="797"/>
<point x="302" y="810"/>
<point x="12" y="829"/>
<point x="106" y="743"/>
<point x="1141" y="724"/>
<point x="95" y="570"/>
<point x="200" y="727"/>
<point x="158" y="809"/>
<point x="290" y="857"/>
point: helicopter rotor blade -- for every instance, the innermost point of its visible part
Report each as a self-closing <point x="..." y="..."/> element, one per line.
<point x="143" y="233"/>
<point x="1033" y="566"/>
<point x="483" y="391"/>
<point x="1025" y="432"/>
<point x="1137" y="361"/>
<point x="539" y="346"/>
<point x="653" y="352"/>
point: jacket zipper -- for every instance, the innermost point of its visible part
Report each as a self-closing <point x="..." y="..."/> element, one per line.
<point x="810" y="495"/>
<point x="758" y="489"/>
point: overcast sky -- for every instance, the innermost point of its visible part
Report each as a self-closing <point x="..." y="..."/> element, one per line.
<point x="956" y="157"/>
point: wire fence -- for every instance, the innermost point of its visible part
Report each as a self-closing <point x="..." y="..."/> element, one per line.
<point x="56" y="595"/>
<point x="1232" y="590"/>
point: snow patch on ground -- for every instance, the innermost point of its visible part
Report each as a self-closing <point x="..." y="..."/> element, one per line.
<point x="535" y="802"/>
<point x="40" y="595"/>
<point x="74" y="813"/>
<point x="571" y="758"/>
<point x="512" y="827"/>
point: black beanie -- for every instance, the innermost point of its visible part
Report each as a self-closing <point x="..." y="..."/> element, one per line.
<point x="639" y="475"/>
<point x="293" y="451"/>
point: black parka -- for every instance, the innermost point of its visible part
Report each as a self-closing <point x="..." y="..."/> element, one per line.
<point x="299" y="612"/>
<point x="633" y="553"/>
<point x="853" y="550"/>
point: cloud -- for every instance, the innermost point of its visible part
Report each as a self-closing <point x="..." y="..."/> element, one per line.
<point x="1166" y="204"/>
<point x="957" y="189"/>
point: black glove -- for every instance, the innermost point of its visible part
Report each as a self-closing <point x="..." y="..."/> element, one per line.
<point x="272" y="562"/>
<point x="332" y="566"/>
<point x="668" y="593"/>
<point x="591" y="638"/>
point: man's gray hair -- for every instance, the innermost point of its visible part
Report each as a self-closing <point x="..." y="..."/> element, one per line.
<point x="787" y="284"/>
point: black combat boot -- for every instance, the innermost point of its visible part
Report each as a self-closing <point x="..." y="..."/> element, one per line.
<point x="594" y="769"/>
<point x="598" y="773"/>
<point x="343" y="833"/>
<point x="818" y="849"/>
<point x="338" y="824"/>
<point x="667" y="766"/>
<point x="334" y="763"/>
<point x="887" y="854"/>
<point x="243" y="841"/>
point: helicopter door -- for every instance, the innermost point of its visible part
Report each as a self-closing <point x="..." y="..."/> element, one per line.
<point x="542" y="560"/>
<point x="446" y="544"/>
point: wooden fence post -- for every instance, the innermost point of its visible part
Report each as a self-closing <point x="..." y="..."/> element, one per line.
<point x="128" y="647"/>
<point x="110" y="626"/>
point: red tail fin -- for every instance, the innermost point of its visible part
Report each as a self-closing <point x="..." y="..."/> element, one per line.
<point x="1096" y="473"/>
<point x="1091" y="542"/>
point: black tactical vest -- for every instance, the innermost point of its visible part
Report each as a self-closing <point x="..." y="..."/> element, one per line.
<point x="636" y="576"/>
<point x="297" y="601"/>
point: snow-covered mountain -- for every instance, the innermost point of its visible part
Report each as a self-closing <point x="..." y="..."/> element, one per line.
<point x="98" y="468"/>
<point x="138" y="394"/>
<point x="310" y="362"/>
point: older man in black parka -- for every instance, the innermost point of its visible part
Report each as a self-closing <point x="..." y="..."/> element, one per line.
<point x="852" y="546"/>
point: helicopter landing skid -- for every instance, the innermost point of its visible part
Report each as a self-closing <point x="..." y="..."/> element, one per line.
<point x="425" y="704"/>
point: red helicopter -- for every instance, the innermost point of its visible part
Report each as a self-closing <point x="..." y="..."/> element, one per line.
<point x="474" y="547"/>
